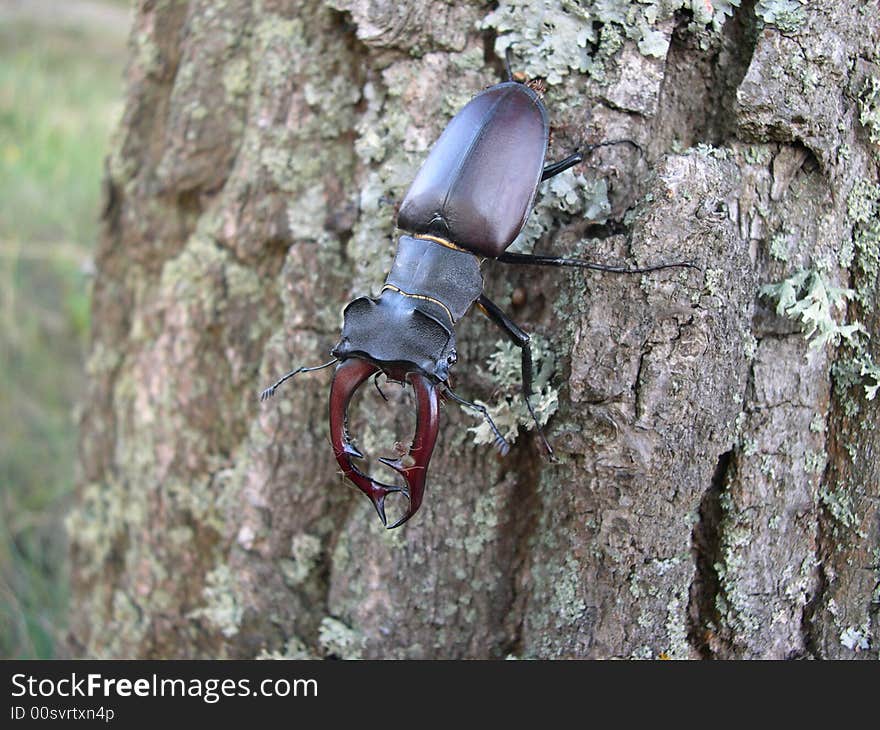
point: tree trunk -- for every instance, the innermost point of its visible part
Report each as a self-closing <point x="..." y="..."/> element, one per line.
<point x="716" y="489"/>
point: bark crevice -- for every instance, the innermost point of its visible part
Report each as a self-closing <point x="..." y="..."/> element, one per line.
<point x="523" y="520"/>
<point x="697" y="103"/>
<point x="703" y="614"/>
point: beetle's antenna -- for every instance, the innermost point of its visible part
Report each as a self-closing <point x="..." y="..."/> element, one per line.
<point x="523" y="258"/>
<point x="500" y="442"/>
<point x="561" y="166"/>
<point x="270" y="391"/>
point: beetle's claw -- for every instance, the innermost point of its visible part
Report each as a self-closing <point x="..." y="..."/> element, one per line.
<point x="399" y="522"/>
<point x="413" y="467"/>
<point x="268" y="393"/>
<point x="395" y="464"/>
<point x="351" y="449"/>
<point x="378" y="500"/>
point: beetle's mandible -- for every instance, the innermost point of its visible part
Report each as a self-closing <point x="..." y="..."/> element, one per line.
<point x="468" y="203"/>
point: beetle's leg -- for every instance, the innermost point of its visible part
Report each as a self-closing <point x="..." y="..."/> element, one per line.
<point x="500" y="442"/>
<point x="507" y="67"/>
<point x="270" y="391"/>
<point x="555" y="168"/>
<point x="521" y="340"/>
<point x="592" y="147"/>
<point x="376" y="383"/>
<point x="524" y="258"/>
<point x="561" y="166"/>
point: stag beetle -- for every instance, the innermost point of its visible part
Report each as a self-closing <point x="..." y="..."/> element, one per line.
<point x="468" y="202"/>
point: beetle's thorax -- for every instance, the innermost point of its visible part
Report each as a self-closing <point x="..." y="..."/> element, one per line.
<point x="410" y="327"/>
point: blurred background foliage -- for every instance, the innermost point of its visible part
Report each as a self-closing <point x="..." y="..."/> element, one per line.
<point x="61" y="67"/>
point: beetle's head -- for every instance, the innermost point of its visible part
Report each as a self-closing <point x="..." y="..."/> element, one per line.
<point x="350" y="374"/>
<point x="412" y="342"/>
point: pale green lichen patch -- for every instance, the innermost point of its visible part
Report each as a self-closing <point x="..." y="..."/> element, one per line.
<point x="856" y="638"/>
<point x="485" y="519"/>
<point x="846" y="253"/>
<point x="863" y="252"/>
<point x="204" y="498"/>
<point x="191" y="277"/>
<point x="846" y="374"/>
<point x="146" y="54"/>
<point x="566" y="603"/>
<point x="779" y="247"/>
<point x="271" y="31"/>
<point x="295" y="648"/>
<point x="567" y="195"/>
<point x="555" y="42"/>
<point x="750" y="345"/>
<point x="654" y="43"/>
<point x="862" y="202"/>
<point x="787" y="15"/>
<point x="869" y="369"/>
<point x="710" y="152"/>
<point x="306" y="216"/>
<point x="372" y="244"/>
<point x="103" y="514"/>
<point x="236" y="77"/>
<point x="815" y="461"/>
<point x="676" y="626"/>
<point x="223" y="608"/>
<point x="863" y="206"/>
<point x="510" y="412"/>
<point x="333" y="99"/>
<point x="713" y="282"/>
<point x="643" y="587"/>
<point x="554" y="38"/>
<point x="869" y="108"/>
<point x="808" y="297"/>
<point x="839" y="504"/>
<point x="305" y="553"/>
<point x="126" y="613"/>
<point x="337" y="639"/>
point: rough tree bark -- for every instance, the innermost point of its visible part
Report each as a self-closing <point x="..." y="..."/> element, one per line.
<point x="716" y="493"/>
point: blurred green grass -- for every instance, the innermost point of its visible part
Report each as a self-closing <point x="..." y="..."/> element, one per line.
<point x="60" y="94"/>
